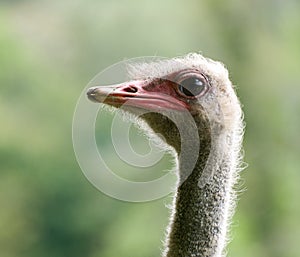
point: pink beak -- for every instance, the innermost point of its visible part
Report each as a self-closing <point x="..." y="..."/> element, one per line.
<point x="139" y="94"/>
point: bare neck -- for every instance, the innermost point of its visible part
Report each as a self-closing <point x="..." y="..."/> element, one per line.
<point x="200" y="215"/>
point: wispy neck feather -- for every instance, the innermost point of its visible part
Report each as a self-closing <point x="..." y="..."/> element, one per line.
<point x="201" y="215"/>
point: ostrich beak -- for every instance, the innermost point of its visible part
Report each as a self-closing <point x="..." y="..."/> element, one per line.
<point x="139" y="94"/>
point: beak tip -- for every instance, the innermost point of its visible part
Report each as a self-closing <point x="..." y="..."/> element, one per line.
<point x="91" y="93"/>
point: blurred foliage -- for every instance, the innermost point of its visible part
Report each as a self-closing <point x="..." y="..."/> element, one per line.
<point x="49" y="50"/>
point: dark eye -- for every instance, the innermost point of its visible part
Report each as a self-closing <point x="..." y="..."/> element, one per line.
<point x="192" y="86"/>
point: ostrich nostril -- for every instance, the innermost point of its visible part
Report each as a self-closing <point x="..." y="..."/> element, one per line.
<point x="130" y="89"/>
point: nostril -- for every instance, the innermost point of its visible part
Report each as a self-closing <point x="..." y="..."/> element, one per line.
<point x="131" y="89"/>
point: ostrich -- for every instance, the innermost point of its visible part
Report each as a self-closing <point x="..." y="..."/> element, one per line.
<point x="204" y="199"/>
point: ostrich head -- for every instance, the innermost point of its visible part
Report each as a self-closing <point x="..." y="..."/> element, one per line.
<point x="192" y="84"/>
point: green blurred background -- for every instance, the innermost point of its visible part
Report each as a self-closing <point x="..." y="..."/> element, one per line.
<point x="49" y="50"/>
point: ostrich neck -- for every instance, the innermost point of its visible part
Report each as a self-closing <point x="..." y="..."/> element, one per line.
<point x="199" y="220"/>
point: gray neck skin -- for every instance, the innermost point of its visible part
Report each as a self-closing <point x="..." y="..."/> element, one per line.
<point x="199" y="219"/>
<point x="198" y="223"/>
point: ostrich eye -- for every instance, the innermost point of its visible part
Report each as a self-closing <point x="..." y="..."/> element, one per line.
<point x="192" y="86"/>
